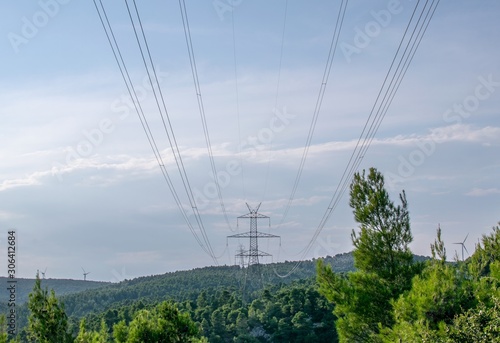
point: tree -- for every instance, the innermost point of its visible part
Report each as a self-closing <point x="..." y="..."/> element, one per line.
<point x="436" y="297"/>
<point x="120" y="332"/>
<point x="85" y="336"/>
<point x="452" y="302"/>
<point x="3" y="329"/>
<point x="47" y="321"/>
<point x="103" y="332"/>
<point x="382" y="245"/>
<point x="384" y="262"/>
<point x="477" y="325"/>
<point x="165" y="324"/>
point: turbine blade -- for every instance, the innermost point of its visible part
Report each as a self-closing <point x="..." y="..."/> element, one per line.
<point x="465" y="238"/>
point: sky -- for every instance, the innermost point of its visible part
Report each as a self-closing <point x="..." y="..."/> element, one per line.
<point x="81" y="186"/>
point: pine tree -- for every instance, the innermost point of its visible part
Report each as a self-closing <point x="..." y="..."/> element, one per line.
<point x="165" y="323"/>
<point x="384" y="262"/>
<point x="3" y="329"/>
<point x="382" y="245"/>
<point x="120" y="332"/>
<point x="47" y="321"/>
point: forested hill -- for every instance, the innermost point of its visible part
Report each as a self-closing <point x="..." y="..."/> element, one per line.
<point x="60" y="286"/>
<point x="187" y="285"/>
<point x="182" y="286"/>
<point x="178" y="286"/>
<point x="82" y="296"/>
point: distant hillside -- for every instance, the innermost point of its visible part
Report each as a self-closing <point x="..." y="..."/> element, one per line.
<point x="96" y="297"/>
<point x="187" y="285"/>
<point x="60" y="286"/>
<point x="83" y="297"/>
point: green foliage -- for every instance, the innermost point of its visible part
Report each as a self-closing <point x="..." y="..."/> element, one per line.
<point x="453" y="302"/>
<point x="485" y="254"/>
<point x="392" y="299"/>
<point x="437" y="295"/>
<point x="282" y="313"/>
<point x="384" y="262"/>
<point x="177" y="286"/>
<point x="478" y="325"/>
<point x="3" y="329"/>
<point x="85" y="336"/>
<point x="60" y="286"/>
<point x="437" y="248"/>
<point x="120" y="332"/>
<point x="47" y="320"/>
<point x="165" y="324"/>
<point x="381" y="246"/>
<point x="435" y="298"/>
<point x="361" y="300"/>
<point x="187" y="285"/>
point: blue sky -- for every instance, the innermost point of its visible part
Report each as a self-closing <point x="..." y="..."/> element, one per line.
<point x="79" y="182"/>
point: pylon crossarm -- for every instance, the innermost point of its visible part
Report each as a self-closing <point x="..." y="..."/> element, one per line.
<point x="240" y="235"/>
<point x="247" y="254"/>
<point x="253" y="215"/>
<point x="266" y="235"/>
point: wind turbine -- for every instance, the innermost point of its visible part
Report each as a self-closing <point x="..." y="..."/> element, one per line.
<point x="43" y="273"/>
<point x="85" y="274"/>
<point x="463" y="246"/>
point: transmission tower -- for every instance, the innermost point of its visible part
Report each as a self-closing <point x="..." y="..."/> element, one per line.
<point x="239" y="258"/>
<point x="253" y="252"/>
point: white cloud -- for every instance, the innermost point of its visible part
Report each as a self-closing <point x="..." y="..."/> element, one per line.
<point x="479" y="192"/>
<point x="30" y="180"/>
<point x="465" y="133"/>
<point x="447" y="134"/>
<point x="6" y="215"/>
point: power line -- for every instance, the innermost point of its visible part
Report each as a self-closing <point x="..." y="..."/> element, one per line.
<point x="237" y="94"/>
<point x="277" y="93"/>
<point x="319" y="101"/>
<point x="169" y="130"/>
<point x="389" y="91"/>
<point x="138" y="108"/>
<point x="201" y="107"/>
<point x="270" y="148"/>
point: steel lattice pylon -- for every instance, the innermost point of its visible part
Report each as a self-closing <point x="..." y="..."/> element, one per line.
<point x="253" y="252"/>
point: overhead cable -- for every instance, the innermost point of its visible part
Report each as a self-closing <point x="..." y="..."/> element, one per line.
<point x="319" y="101"/>
<point x="140" y="112"/>
<point x="397" y="70"/>
<point x="201" y="107"/>
<point x="167" y="125"/>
